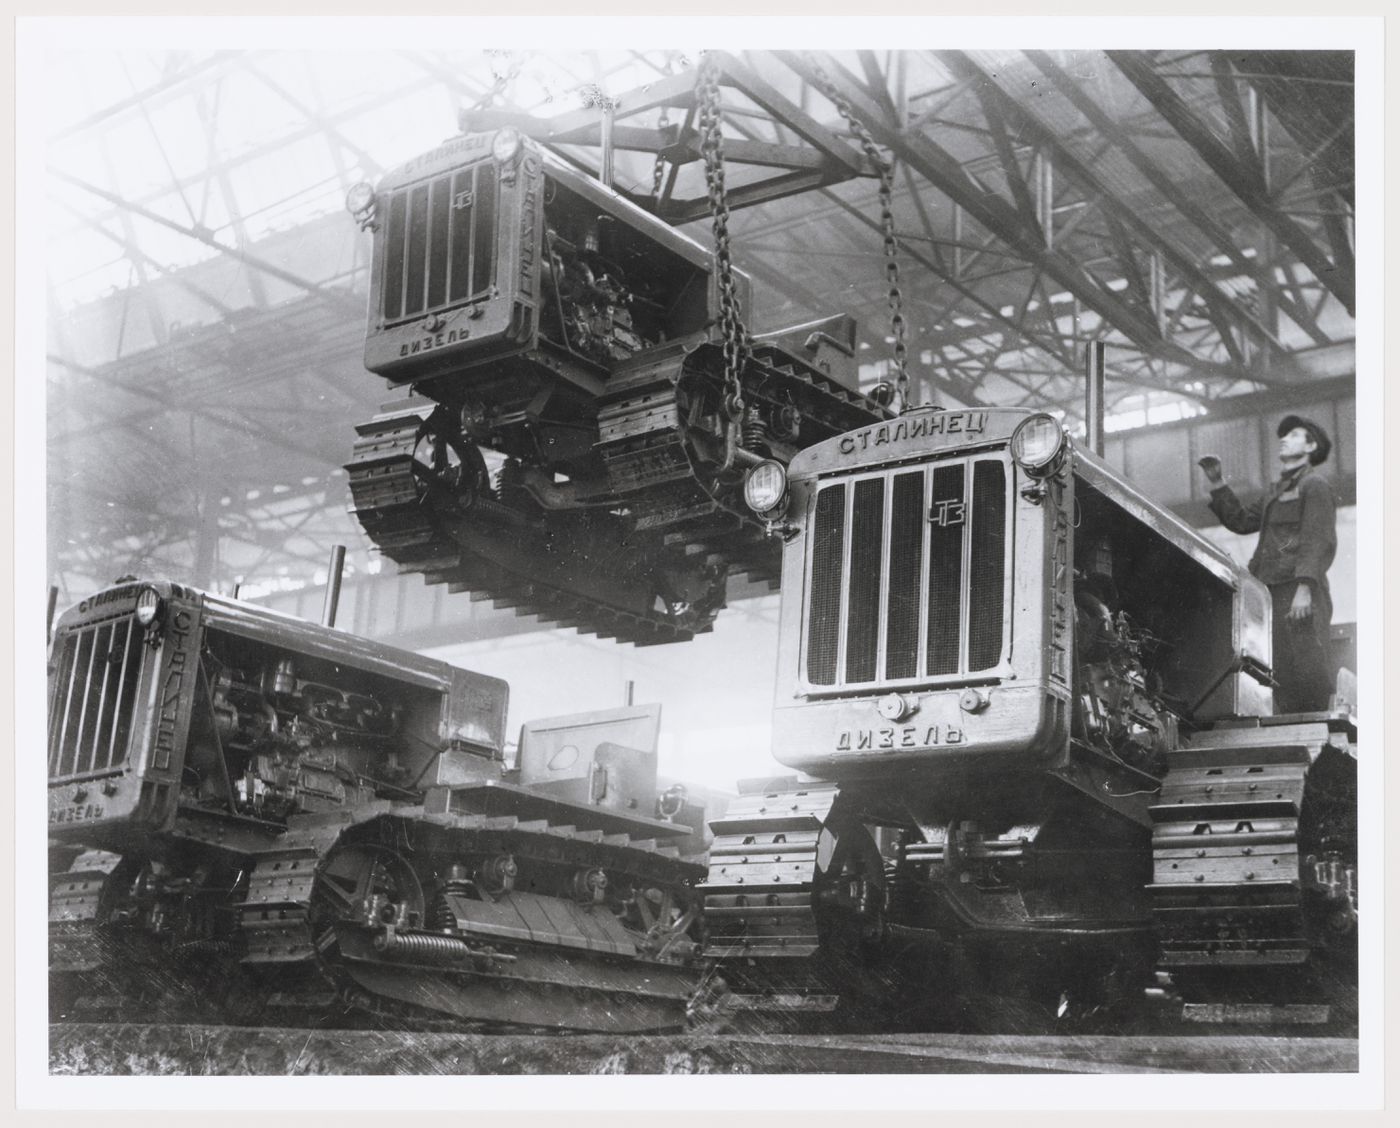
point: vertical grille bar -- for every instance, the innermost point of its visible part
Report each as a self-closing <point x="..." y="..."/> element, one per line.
<point x="987" y="570"/>
<point x="73" y="707"/>
<point x="126" y="703"/>
<point x="863" y="596"/>
<point x="102" y="646"/>
<point x="90" y="640"/>
<point x="828" y="554"/>
<point x="463" y="209"/>
<point x="438" y="242"/>
<point x="925" y="576"/>
<point x="906" y="568"/>
<point x="62" y="695"/>
<point x="116" y="665"/>
<point x="416" y="257"/>
<point x="484" y="233"/>
<point x="947" y="521"/>
<point x="395" y="239"/>
<point x="118" y="658"/>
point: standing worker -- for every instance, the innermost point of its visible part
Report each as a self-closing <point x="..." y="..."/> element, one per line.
<point x="1297" y="526"/>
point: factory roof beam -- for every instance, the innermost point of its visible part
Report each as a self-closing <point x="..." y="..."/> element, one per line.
<point x="1229" y="316"/>
<point x="132" y="251"/>
<point x="823" y="159"/>
<point x="1243" y="176"/>
<point x="994" y="213"/>
<point x="148" y="97"/>
<point x="1052" y="346"/>
<point x="1165" y="185"/>
<point x="336" y="298"/>
<point x="335" y="137"/>
<point x="272" y="145"/>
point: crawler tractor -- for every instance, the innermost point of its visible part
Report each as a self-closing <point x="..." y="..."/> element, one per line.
<point x="571" y="443"/>
<point x="1040" y="774"/>
<point x="252" y="817"/>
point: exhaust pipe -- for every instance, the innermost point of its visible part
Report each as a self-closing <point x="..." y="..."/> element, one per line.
<point x="605" y="170"/>
<point x="1093" y="397"/>
<point x="336" y="569"/>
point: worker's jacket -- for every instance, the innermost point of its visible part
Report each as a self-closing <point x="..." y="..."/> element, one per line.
<point x="1297" y="526"/>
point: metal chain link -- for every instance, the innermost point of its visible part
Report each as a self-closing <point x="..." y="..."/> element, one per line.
<point x="885" y="171"/>
<point x="736" y="346"/>
<point x="658" y="170"/>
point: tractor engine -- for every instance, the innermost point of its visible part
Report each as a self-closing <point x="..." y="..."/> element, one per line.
<point x="302" y="745"/>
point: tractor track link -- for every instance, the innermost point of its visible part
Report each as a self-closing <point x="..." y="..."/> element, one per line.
<point x="1237" y="869"/>
<point x="390" y="499"/>
<point x="680" y="515"/>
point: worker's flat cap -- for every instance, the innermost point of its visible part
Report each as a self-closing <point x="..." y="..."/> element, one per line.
<point x="1324" y="444"/>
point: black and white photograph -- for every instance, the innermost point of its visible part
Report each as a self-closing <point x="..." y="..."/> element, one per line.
<point x="748" y="554"/>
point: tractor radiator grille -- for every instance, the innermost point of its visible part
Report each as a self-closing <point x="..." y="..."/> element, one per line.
<point x="92" y="698"/>
<point x="907" y="575"/>
<point x="439" y="243"/>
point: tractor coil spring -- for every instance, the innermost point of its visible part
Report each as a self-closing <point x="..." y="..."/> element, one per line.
<point x="755" y="430"/>
<point x="438" y="949"/>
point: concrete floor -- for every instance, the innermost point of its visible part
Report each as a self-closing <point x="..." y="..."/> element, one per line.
<point x="124" y="1049"/>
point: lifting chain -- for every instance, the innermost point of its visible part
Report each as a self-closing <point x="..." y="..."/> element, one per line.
<point x="885" y="170"/>
<point x="736" y="345"/>
<point x="658" y="171"/>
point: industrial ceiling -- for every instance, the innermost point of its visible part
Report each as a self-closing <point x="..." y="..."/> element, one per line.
<point x="206" y="289"/>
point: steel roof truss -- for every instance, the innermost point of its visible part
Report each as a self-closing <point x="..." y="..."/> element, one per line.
<point x="1159" y="180"/>
<point x="825" y="158"/>
<point x="925" y="220"/>
<point x="136" y="254"/>
<point x="875" y="81"/>
<point x="1241" y="134"/>
<point x="1053" y="348"/>
<point x="1225" y="309"/>
<point x="143" y="100"/>
<point x="1243" y="180"/>
<point x="1334" y="223"/>
<point x="270" y="147"/>
<point x="240" y="230"/>
<point x="943" y="170"/>
<point x="335" y="139"/>
<point x="1010" y="166"/>
<point x="343" y="300"/>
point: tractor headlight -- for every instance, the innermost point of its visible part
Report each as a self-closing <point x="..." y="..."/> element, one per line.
<point x="1037" y="444"/>
<point x="359" y="202"/>
<point x="149" y="606"/>
<point x="505" y="146"/>
<point x="765" y="486"/>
